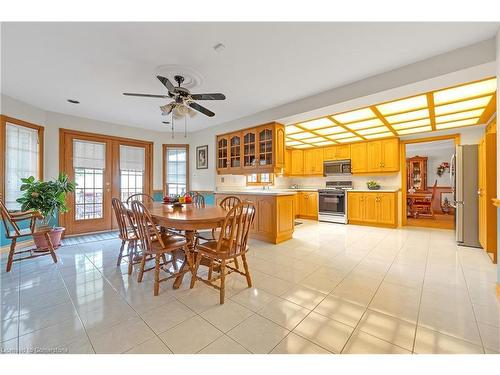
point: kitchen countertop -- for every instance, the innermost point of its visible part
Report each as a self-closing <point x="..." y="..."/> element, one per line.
<point x="257" y="192"/>
<point x="375" y="191"/>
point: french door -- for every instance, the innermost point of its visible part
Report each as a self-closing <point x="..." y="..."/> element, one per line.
<point x="103" y="167"/>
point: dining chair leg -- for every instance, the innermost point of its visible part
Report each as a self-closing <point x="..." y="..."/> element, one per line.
<point x="236" y="264"/>
<point x="195" y="271"/>
<point x="10" y="260"/>
<point x="222" y="281"/>
<point x="157" y="275"/>
<point x="247" y="272"/>
<point x="120" y="254"/>
<point x="210" y="269"/>
<point x="131" y="255"/>
<point x="174" y="261"/>
<point x="141" y="269"/>
<point x="51" y="247"/>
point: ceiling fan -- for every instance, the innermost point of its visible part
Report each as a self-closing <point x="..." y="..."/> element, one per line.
<point x="184" y="103"/>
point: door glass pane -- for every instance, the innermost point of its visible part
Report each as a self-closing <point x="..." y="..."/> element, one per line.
<point x="176" y="170"/>
<point x="132" y="166"/>
<point x="21" y="160"/>
<point x="88" y="164"/>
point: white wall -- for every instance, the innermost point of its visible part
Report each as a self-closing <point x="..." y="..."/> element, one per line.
<point x="54" y="121"/>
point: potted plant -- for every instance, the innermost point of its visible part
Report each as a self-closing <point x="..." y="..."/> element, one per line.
<point x="48" y="198"/>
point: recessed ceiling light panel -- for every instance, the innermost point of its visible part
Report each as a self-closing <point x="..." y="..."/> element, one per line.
<point x="331" y="130"/>
<point x="314" y="140"/>
<point x="352" y="139"/>
<point x="352" y="116"/>
<point x="379" y="129"/>
<point x="412" y="124"/>
<point x="460" y="116"/>
<point x="415" y="130"/>
<point x="325" y="143"/>
<point x="316" y="124"/>
<point x="408" y="116"/>
<point x="301" y="135"/>
<point x="379" y="135"/>
<point x="340" y="136"/>
<point x="293" y="143"/>
<point x="292" y="129"/>
<point x="465" y="91"/>
<point x="403" y="105"/>
<point x="462" y="106"/>
<point x="455" y="124"/>
<point x="365" y="124"/>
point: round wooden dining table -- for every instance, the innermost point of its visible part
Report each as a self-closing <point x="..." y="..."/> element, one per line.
<point x="188" y="218"/>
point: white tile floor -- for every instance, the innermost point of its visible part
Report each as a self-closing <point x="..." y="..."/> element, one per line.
<point x="332" y="289"/>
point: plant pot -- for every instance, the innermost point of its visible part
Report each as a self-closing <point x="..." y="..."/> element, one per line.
<point x="374" y="187"/>
<point x="55" y="237"/>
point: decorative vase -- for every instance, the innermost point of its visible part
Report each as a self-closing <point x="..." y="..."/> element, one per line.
<point x="55" y="237"/>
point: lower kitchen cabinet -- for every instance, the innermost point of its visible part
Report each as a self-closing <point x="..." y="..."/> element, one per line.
<point x="274" y="217"/>
<point x="372" y="208"/>
<point x="308" y="204"/>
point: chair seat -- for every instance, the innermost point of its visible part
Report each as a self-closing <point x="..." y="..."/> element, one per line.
<point x="170" y="242"/>
<point x="209" y="248"/>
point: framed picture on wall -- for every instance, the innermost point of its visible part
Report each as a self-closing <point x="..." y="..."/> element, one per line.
<point x="202" y="157"/>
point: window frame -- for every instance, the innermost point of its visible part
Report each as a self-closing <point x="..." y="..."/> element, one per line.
<point x="165" y="146"/>
<point x="259" y="180"/>
<point x="3" y="147"/>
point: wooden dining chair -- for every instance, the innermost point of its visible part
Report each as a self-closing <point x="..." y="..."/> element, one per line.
<point x="157" y="244"/>
<point x="423" y="206"/>
<point x="13" y="233"/>
<point x="229" y="202"/>
<point x="127" y="233"/>
<point x="232" y="243"/>
<point x="143" y="197"/>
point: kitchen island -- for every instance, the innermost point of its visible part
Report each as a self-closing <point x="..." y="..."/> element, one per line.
<point x="274" y="219"/>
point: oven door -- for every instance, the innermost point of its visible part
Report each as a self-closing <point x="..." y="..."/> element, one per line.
<point x="332" y="203"/>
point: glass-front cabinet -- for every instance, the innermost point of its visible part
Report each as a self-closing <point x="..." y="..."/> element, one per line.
<point x="259" y="149"/>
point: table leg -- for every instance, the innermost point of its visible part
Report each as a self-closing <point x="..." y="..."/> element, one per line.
<point x="190" y="241"/>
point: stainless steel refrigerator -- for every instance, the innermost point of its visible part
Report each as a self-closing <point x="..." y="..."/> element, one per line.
<point x="463" y="173"/>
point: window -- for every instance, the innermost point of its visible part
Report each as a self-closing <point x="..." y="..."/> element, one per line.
<point x="175" y="169"/>
<point x="89" y="161"/>
<point x="23" y="157"/>
<point x="132" y="167"/>
<point x="260" y="179"/>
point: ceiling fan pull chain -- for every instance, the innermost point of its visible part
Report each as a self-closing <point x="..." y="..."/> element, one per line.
<point x="185" y="126"/>
<point x="172" y="124"/>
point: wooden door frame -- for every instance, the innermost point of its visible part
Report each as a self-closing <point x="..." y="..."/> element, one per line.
<point x="114" y="142"/>
<point x="455" y="137"/>
<point x="3" y="147"/>
<point x="164" y="164"/>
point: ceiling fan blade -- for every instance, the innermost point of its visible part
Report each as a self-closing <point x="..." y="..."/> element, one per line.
<point x="212" y="96"/>
<point x="170" y="87"/>
<point x="201" y="109"/>
<point x="145" y="95"/>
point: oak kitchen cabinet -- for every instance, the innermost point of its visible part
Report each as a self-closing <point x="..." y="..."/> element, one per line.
<point x="372" y="208"/>
<point x="313" y="162"/>
<point x="274" y="217"/>
<point x="340" y="152"/>
<point x="375" y="156"/>
<point x="308" y="204"/>
<point x="297" y="162"/>
<point x="260" y="149"/>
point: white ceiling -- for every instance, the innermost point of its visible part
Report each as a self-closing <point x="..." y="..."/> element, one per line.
<point x="433" y="148"/>
<point x="264" y="64"/>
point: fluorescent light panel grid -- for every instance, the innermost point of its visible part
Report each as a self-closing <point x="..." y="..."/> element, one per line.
<point x="293" y="143"/>
<point x="365" y="124"/>
<point x="412" y="124"/>
<point x="462" y="106"/>
<point x="357" y="115"/>
<point x="415" y="130"/>
<point x="352" y="139"/>
<point x="379" y="129"/>
<point x="332" y="130"/>
<point x="455" y="124"/>
<point x="292" y="129"/>
<point x="460" y="116"/>
<point x="403" y="105"/>
<point x="466" y="91"/>
<point x="379" y="135"/>
<point x="315" y="140"/>
<point x="303" y="146"/>
<point x="325" y="143"/>
<point x="301" y="135"/>
<point x="340" y="136"/>
<point x="316" y="124"/>
<point x="408" y="116"/>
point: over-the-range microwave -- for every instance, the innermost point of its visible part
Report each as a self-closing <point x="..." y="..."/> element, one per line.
<point x="336" y="167"/>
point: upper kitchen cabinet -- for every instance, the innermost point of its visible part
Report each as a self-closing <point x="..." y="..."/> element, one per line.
<point x="313" y="161"/>
<point x="222" y="153"/>
<point x="375" y="156"/>
<point x="260" y="149"/>
<point x="297" y="163"/>
<point x="340" y="152"/>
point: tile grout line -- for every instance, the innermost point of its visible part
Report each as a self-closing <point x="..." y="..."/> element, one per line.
<point x="472" y="305"/>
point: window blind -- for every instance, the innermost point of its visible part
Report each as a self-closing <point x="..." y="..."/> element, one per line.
<point x="132" y="158"/>
<point x="22" y="155"/>
<point x="91" y="155"/>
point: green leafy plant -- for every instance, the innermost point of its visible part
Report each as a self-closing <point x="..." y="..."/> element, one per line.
<point x="373" y="185"/>
<point x="47" y="197"/>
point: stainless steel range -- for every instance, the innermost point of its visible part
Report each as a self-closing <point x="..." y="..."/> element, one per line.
<point x="333" y="202"/>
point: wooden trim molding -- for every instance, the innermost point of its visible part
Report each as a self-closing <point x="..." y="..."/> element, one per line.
<point x="496" y="202"/>
<point x="3" y="146"/>
<point x="403" y="143"/>
<point x="164" y="164"/>
<point x="498" y="291"/>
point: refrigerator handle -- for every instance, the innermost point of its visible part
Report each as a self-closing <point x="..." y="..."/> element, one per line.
<point x="453" y="180"/>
